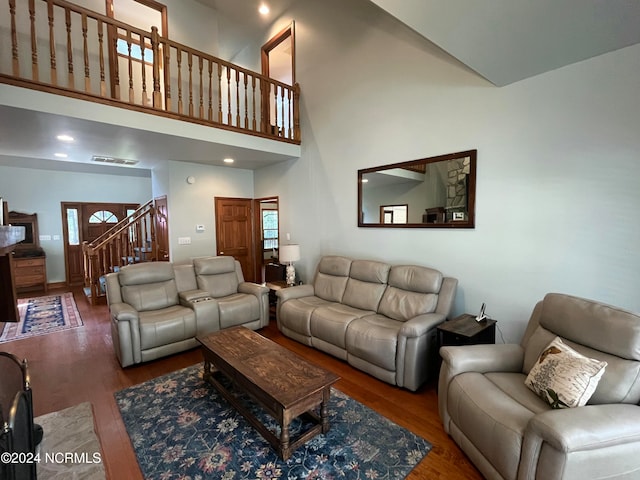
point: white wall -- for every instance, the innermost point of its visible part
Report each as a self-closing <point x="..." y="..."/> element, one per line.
<point x="557" y="195"/>
<point x="41" y="190"/>
<point x="193" y="204"/>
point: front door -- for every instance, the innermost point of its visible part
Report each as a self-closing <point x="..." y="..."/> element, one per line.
<point x="84" y="222"/>
<point x="234" y="235"/>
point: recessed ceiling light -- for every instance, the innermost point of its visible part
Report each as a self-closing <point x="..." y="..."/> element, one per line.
<point x="228" y="160"/>
<point x="61" y="155"/>
<point x="65" y="138"/>
<point x="264" y="9"/>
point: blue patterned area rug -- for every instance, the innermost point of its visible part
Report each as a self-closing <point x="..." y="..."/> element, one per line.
<point x="180" y="427"/>
<point x="42" y="315"/>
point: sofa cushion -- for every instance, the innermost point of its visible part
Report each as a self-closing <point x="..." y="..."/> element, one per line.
<point x="295" y="314"/>
<point x="238" y="309"/>
<point x="403" y="305"/>
<point x="563" y="377"/>
<point x="330" y="322"/>
<point x="166" y="326"/>
<point x="331" y="278"/>
<point x="366" y="284"/>
<point x="216" y="275"/>
<point x="415" y="278"/>
<point x="374" y="338"/>
<point x="144" y="273"/>
<point x="151" y="296"/>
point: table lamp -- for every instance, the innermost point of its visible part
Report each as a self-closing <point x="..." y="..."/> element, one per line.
<point x="287" y="255"/>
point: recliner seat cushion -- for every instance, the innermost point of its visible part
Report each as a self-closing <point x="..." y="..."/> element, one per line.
<point x="238" y="309"/>
<point x="166" y="326"/>
<point x="295" y="314"/>
<point x="151" y="296"/>
<point x="374" y="338"/>
<point x="330" y="323"/>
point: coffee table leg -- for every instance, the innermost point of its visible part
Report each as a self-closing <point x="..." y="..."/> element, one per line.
<point x="207" y="370"/>
<point x="284" y="439"/>
<point x="324" y="410"/>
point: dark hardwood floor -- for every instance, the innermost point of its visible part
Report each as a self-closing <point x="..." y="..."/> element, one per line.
<point x="79" y="365"/>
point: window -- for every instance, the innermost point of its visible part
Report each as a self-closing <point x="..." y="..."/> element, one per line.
<point x="393" y="213"/>
<point x="270" y="229"/>
<point x="103" y="216"/>
<point x="136" y="51"/>
<point x="72" y="226"/>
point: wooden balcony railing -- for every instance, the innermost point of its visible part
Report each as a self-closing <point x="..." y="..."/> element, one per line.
<point x="63" y="48"/>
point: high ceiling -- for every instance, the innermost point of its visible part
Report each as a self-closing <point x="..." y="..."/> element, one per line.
<point x="504" y="41"/>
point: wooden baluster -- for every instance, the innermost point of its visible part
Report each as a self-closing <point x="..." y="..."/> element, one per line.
<point x="200" y="65"/>
<point x="253" y="88"/>
<point x="35" y="75"/>
<point x="131" y="93"/>
<point x="190" y="60"/>
<point x="143" y="71"/>
<point x="283" y="120"/>
<point x="179" y="58"/>
<point x="296" y="112"/>
<point x="229" y="120"/>
<point x="103" y="84"/>
<point x="167" y="77"/>
<point x="85" y="44"/>
<point x="52" y="44"/>
<point x="116" y="67"/>
<point x="219" y="93"/>
<point x="14" y="36"/>
<point x="274" y="130"/>
<point x="155" y="48"/>
<point x="237" y="98"/>
<point x="290" y="135"/>
<point x="246" y="104"/>
<point x="210" y="112"/>
<point x="70" y="80"/>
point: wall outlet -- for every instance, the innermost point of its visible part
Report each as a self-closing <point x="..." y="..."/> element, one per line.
<point x="184" y="240"/>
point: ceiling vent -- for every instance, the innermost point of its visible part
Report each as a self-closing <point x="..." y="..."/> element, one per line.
<point x="113" y="161"/>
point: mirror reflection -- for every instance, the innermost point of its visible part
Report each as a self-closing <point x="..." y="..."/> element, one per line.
<point x="436" y="192"/>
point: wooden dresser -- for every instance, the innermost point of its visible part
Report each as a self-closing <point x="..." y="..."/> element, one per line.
<point x="30" y="273"/>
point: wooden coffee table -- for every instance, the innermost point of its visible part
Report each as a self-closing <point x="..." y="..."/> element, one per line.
<point x="283" y="383"/>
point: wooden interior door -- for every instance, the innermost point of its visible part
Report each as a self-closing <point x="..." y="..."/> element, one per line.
<point x="162" y="228"/>
<point x="234" y="232"/>
<point x="86" y="222"/>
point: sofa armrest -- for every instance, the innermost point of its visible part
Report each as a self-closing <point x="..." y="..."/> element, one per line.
<point x="298" y="291"/>
<point x="483" y="358"/>
<point x="474" y="358"/>
<point x="578" y="439"/>
<point x="253" y="289"/>
<point x="123" y="312"/>
<point x="421" y="325"/>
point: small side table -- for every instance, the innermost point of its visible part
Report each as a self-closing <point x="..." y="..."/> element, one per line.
<point x="466" y="330"/>
<point x="274" y="286"/>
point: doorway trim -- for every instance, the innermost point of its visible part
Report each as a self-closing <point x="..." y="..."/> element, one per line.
<point x="257" y="231"/>
<point x="277" y="39"/>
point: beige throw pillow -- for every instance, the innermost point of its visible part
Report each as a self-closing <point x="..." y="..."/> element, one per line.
<point x="563" y="377"/>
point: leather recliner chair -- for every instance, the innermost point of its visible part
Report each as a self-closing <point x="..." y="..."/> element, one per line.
<point x="509" y="432"/>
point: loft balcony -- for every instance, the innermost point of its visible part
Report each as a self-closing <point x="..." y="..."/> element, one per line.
<point x="61" y="48"/>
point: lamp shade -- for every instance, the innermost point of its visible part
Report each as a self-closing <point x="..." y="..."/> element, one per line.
<point x="289" y="253"/>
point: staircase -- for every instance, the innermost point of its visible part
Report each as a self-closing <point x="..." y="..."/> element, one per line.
<point x="132" y="240"/>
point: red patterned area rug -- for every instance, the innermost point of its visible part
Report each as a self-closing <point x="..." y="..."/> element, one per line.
<point x="42" y="315"/>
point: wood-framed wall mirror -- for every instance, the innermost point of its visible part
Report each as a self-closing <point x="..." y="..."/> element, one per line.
<point x="434" y="192"/>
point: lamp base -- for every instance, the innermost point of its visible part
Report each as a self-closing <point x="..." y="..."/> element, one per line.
<point x="291" y="275"/>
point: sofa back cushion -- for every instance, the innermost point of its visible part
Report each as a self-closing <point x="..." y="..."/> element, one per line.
<point x="366" y="283"/>
<point x="597" y="331"/>
<point x="331" y="278"/>
<point x="148" y="286"/>
<point x="412" y="291"/>
<point x="216" y="275"/>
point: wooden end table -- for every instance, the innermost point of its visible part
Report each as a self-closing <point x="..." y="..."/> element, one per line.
<point x="466" y="330"/>
<point x="283" y="383"/>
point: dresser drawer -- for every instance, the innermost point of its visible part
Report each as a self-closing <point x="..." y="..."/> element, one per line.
<point x="29" y="262"/>
<point x="28" y="280"/>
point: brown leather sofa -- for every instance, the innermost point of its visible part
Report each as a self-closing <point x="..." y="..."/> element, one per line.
<point x="380" y="318"/>
<point x="509" y="432"/>
<point x="158" y="309"/>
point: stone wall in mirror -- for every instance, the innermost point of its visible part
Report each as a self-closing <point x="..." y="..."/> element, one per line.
<point x="435" y="192"/>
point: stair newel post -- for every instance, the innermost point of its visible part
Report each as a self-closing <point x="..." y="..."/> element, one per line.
<point x="155" y="47"/>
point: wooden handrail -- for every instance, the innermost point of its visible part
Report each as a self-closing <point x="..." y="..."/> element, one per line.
<point x="210" y="90"/>
<point x="125" y="221"/>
